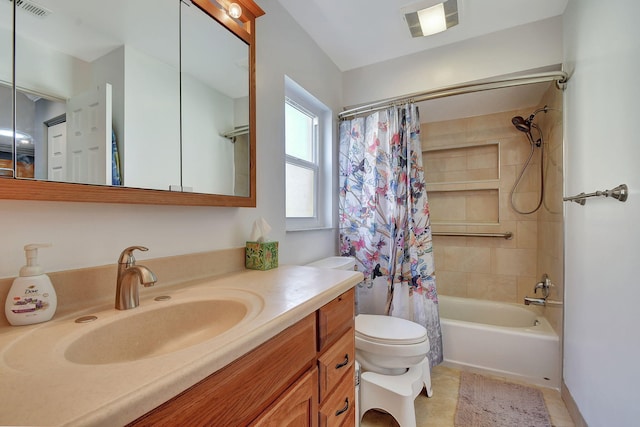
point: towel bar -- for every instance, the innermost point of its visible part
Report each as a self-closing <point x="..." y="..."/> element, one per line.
<point x="621" y="192"/>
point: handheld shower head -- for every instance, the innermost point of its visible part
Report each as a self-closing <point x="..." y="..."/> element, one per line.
<point x="521" y="124"/>
<point x="525" y="125"/>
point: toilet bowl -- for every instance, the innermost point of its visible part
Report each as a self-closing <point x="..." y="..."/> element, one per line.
<point x="389" y="345"/>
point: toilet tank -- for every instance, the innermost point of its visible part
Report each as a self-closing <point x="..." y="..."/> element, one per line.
<point x="335" y="262"/>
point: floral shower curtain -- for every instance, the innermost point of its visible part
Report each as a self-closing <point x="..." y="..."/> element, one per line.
<point x="384" y="218"/>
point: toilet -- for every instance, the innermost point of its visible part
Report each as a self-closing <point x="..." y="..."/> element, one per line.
<point x="392" y="355"/>
<point x="389" y="345"/>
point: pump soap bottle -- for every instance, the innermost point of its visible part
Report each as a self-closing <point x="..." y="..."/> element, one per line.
<point x="31" y="298"/>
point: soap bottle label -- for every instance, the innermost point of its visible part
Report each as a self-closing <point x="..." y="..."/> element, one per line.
<point x="30" y="302"/>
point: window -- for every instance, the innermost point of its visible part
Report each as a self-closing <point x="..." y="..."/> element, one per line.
<point x="301" y="136"/>
<point x="307" y="153"/>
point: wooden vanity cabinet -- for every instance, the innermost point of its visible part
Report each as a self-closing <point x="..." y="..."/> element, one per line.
<point x="304" y="376"/>
<point x="237" y="394"/>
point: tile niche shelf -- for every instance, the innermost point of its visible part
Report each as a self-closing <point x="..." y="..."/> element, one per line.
<point x="463" y="184"/>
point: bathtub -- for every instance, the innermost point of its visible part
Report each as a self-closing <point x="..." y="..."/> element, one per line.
<point x="501" y="339"/>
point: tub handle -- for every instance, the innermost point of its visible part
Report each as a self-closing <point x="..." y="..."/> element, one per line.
<point x="344" y="363"/>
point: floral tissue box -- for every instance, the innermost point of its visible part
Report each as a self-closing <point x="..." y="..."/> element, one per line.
<point x="261" y="255"/>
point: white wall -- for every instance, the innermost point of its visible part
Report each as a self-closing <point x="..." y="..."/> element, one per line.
<point x="86" y="234"/>
<point x="6" y="48"/>
<point x="602" y="348"/>
<point x="284" y="48"/>
<point x="152" y="124"/>
<point x="64" y="76"/>
<point x="522" y="48"/>
<point x="207" y="157"/>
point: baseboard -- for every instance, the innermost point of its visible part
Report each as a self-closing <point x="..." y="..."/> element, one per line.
<point x="572" y="407"/>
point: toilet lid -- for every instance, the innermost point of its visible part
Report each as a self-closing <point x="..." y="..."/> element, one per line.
<point x="389" y="330"/>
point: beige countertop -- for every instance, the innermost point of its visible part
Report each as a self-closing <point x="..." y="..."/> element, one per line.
<point x="39" y="386"/>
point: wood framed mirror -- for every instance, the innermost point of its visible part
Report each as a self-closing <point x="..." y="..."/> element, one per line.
<point x="183" y="183"/>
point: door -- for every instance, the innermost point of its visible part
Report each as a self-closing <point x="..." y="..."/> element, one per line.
<point x="57" y="152"/>
<point x="89" y="152"/>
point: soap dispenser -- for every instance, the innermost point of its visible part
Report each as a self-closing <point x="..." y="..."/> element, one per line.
<point x="31" y="298"/>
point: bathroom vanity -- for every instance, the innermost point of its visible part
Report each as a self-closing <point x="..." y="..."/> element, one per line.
<point x="277" y="383"/>
<point x="288" y="359"/>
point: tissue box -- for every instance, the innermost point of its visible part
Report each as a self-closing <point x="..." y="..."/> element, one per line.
<point x="261" y="255"/>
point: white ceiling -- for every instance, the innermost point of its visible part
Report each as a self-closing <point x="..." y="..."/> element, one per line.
<point x="356" y="33"/>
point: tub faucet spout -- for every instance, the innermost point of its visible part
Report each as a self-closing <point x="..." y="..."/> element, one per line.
<point x="129" y="276"/>
<point x="535" y="301"/>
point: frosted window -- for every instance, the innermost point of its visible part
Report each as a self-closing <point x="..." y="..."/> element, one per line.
<point x="299" y="128"/>
<point x="301" y="165"/>
<point x="301" y="185"/>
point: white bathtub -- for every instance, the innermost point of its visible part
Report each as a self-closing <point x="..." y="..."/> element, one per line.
<point x="501" y="339"/>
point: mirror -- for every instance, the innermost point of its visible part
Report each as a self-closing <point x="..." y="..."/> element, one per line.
<point x="215" y="106"/>
<point x="107" y="96"/>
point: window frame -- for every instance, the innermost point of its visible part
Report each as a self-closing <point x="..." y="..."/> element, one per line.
<point x="299" y="98"/>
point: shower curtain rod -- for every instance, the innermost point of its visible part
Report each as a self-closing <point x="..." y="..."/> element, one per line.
<point x="560" y="77"/>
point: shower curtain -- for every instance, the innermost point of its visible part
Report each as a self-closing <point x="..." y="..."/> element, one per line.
<point x="384" y="218"/>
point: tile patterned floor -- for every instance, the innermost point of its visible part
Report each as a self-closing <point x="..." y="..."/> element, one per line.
<point x="439" y="410"/>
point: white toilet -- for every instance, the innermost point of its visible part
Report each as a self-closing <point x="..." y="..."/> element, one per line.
<point x="392" y="353"/>
<point x="389" y="345"/>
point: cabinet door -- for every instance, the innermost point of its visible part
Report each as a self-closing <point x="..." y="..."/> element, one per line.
<point x="297" y="407"/>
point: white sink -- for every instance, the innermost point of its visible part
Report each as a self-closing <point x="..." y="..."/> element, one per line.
<point x="155" y="332"/>
<point x="190" y="317"/>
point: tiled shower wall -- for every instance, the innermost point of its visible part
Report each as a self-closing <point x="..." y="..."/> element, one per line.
<point x="471" y="165"/>
<point x="550" y="217"/>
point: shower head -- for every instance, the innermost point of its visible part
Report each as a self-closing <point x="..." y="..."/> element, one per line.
<point x="524" y="125"/>
<point x="521" y="124"/>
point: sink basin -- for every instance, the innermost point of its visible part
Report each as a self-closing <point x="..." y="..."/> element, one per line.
<point x="157" y="331"/>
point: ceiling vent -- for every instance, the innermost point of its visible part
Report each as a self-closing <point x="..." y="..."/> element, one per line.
<point x="32" y="8"/>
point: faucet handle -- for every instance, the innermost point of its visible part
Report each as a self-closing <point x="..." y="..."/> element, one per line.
<point x="545" y="285"/>
<point x="126" y="257"/>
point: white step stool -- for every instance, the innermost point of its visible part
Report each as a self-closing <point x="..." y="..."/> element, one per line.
<point x="395" y="394"/>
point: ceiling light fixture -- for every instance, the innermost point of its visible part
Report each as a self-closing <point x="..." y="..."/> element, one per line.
<point x="425" y="20"/>
<point x="432" y="20"/>
<point x="9" y="133"/>
<point x="234" y="11"/>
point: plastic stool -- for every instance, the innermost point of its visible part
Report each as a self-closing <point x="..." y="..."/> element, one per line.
<point x="395" y="394"/>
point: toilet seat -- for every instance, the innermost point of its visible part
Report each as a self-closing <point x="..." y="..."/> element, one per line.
<point x="389" y="330"/>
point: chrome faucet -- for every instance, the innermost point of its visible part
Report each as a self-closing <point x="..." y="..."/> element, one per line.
<point x="129" y="276"/>
<point x="535" y="301"/>
<point x="545" y="287"/>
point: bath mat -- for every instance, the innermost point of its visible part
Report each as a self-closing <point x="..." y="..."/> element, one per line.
<point x="485" y="402"/>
